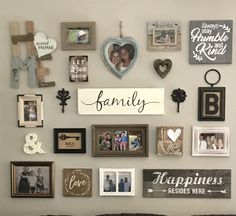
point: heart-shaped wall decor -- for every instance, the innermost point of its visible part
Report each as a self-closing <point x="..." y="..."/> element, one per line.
<point x="162" y="67"/>
<point x="173" y="135"/>
<point x="44" y="45"/>
<point x="120" y="55"/>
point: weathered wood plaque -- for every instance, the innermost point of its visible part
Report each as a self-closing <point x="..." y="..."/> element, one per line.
<point x="77" y="182"/>
<point x="210" y="42"/>
<point x="186" y="183"/>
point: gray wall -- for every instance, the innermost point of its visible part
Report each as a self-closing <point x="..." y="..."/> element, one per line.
<point x="47" y="16"/>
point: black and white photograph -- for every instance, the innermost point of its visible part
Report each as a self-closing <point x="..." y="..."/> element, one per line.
<point x="164" y="37"/>
<point x="32" y="179"/>
<point x="124" y="182"/>
<point x="109" y="182"/>
<point x="30" y="110"/>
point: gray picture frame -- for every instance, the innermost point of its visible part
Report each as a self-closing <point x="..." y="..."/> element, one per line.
<point x="116" y="44"/>
<point x="75" y="29"/>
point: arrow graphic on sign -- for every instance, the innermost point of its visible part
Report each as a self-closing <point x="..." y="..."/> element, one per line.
<point x="149" y="190"/>
<point x="217" y="191"/>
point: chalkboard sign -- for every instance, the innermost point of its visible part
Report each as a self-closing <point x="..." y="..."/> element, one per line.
<point x="186" y="183"/>
<point x="210" y="42"/>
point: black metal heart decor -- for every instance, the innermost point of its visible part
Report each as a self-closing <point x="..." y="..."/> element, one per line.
<point x="162" y="67"/>
<point x="120" y="55"/>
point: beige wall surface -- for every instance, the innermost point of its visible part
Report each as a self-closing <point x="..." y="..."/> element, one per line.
<point x="47" y="16"/>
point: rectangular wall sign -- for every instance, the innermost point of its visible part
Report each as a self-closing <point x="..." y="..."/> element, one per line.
<point x="210" y="42"/>
<point x="121" y="101"/>
<point x="186" y="183"/>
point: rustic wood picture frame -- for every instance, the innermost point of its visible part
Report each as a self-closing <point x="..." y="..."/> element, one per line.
<point x="30" y="110"/>
<point x="120" y="140"/>
<point x="32" y="179"/>
<point x="69" y="140"/>
<point x="71" y="32"/>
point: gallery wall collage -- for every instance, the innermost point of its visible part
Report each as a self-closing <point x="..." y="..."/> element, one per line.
<point x="210" y="42"/>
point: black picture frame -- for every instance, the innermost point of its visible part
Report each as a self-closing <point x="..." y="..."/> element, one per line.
<point x="204" y="112"/>
<point x="76" y="137"/>
<point x="21" y="184"/>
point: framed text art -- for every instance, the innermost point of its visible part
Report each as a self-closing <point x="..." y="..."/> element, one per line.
<point x="164" y="35"/>
<point x="210" y="141"/>
<point x="187" y="183"/>
<point x="78" y="68"/>
<point x="120" y="140"/>
<point x="78" y="36"/>
<point x="30" y="110"/>
<point x="210" y="41"/>
<point x="117" y="182"/>
<point x="77" y="182"/>
<point x="34" y="179"/>
<point x="121" y="101"/>
<point x="69" y="140"/>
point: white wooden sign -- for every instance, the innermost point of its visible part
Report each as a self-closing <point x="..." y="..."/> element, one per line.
<point x="121" y="101"/>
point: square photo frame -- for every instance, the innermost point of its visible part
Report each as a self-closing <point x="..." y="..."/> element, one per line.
<point x="210" y="141"/>
<point x="69" y="140"/>
<point x="32" y="179"/>
<point x="120" y="140"/>
<point x="78" y="36"/>
<point x="116" y="182"/>
<point x="30" y="110"/>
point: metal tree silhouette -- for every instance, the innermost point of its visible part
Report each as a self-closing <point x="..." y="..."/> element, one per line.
<point x="63" y="95"/>
<point x="178" y="96"/>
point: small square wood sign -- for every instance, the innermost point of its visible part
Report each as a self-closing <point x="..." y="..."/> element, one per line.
<point x="77" y="182"/>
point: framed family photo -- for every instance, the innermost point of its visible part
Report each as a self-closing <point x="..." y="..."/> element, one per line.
<point x="30" y="110"/>
<point x="78" y="36"/>
<point x="210" y="141"/>
<point x="32" y="179"/>
<point x="116" y="182"/>
<point x="164" y="35"/>
<point x="120" y="140"/>
<point x="69" y="140"/>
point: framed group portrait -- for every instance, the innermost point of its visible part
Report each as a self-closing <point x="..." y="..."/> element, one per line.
<point x="69" y="140"/>
<point x="116" y="182"/>
<point x="210" y="141"/>
<point x="78" y="36"/>
<point x="120" y="140"/>
<point x="34" y="179"/>
<point x="30" y="110"/>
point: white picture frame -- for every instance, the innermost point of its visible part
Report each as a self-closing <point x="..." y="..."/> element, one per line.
<point x="210" y="141"/>
<point x="111" y="179"/>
